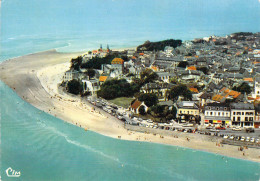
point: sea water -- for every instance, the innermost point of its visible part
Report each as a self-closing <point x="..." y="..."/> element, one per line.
<point x="42" y="147"/>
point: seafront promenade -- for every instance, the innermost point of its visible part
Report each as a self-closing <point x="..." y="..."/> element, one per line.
<point x="35" y="77"/>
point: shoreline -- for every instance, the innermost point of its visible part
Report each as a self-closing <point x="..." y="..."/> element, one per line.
<point x="36" y="83"/>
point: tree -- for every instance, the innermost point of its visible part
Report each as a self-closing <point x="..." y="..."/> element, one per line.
<point x="149" y="99"/>
<point x="148" y="76"/>
<point x="157" y="110"/>
<point x="117" y="88"/>
<point x="160" y="45"/>
<point x="74" y="87"/>
<point x="180" y="90"/>
<point x="142" y="110"/>
<point x="76" y="62"/>
<point x="163" y="112"/>
<point x="183" y="64"/>
<point x="243" y="88"/>
<point x="91" y="73"/>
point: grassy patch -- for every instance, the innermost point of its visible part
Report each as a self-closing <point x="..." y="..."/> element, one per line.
<point x="122" y="101"/>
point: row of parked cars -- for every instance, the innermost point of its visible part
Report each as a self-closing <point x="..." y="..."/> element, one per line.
<point x="242" y="138"/>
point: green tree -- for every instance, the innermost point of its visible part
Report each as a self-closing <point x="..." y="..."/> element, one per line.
<point x="180" y="90"/>
<point x="149" y="99"/>
<point x="157" y="111"/>
<point x="243" y="88"/>
<point x="74" y="87"/>
<point x="76" y="63"/>
<point x="91" y="73"/>
<point x="142" y="110"/>
<point x="148" y="76"/>
<point x="117" y="88"/>
<point x="183" y="64"/>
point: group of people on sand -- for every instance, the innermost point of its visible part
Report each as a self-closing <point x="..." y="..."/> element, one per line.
<point x="219" y="144"/>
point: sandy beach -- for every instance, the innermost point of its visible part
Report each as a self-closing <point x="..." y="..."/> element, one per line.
<point x="35" y="77"/>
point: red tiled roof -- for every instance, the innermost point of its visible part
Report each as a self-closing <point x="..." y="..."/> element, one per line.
<point x="102" y="78"/>
<point x="136" y="104"/>
<point x="192" y="89"/>
<point x="248" y="79"/>
<point x="191" y="68"/>
<point x="117" y="61"/>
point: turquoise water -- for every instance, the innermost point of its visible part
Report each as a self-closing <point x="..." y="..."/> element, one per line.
<point x="29" y="26"/>
<point x="43" y="147"/>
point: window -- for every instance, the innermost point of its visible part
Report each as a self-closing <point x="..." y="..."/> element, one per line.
<point x="225" y="108"/>
<point x="219" y="113"/>
<point x="238" y="118"/>
<point x="234" y="119"/>
<point x="251" y="119"/>
<point x="211" y="113"/>
<point x="222" y="113"/>
<point x="242" y="113"/>
<point x="217" y="108"/>
<point x="180" y="112"/>
<point x="238" y="113"/>
<point x="234" y="113"/>
<point x="246" y="118"/>
<point x="226" y="114"/>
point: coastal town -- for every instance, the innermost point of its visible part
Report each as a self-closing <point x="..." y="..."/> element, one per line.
<point x="208" y="86"/>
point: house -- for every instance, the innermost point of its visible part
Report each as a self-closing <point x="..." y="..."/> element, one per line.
<point x="257" y="116"/>
<point x="70" y="75"/>
<point x="256" y="92"/>
<point x="242" y="114"/>
<point x="187" y="110"/>
<point x="102" y="79"/>
<point x="165" y="76"/>
<point x="91" y="86"/>
<point x="118" y="63"/>
<point x="217" y="113"/>
<point x="160" y="89"/>
<point x="134" y="107"/>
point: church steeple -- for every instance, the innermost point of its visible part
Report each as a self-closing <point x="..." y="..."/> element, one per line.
<point x="108" y="50"/>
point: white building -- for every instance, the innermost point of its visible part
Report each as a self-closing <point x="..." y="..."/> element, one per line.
<point x="256" y="88"/>
<point x="242" y="114"/>
<point x="91" y="86"/>
<point x="217" y="113"/>
<point x="70" y="75"/>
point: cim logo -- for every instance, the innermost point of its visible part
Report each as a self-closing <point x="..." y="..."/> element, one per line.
<point x="12" y="173"/>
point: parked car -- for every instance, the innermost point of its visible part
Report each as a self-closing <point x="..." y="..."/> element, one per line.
<point x="257" y="140"/>
<point x="247" y="139"/>
<point x="237" y="138"/>
<point x="221" y="128"/>
<point x="225" y="137"/>
<point x="242" y="138"/>
<point x="237" y="129"/>
<point x="231" y="137"/>
<point x="252" y="140"/>
<point x="250" y="130"/>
